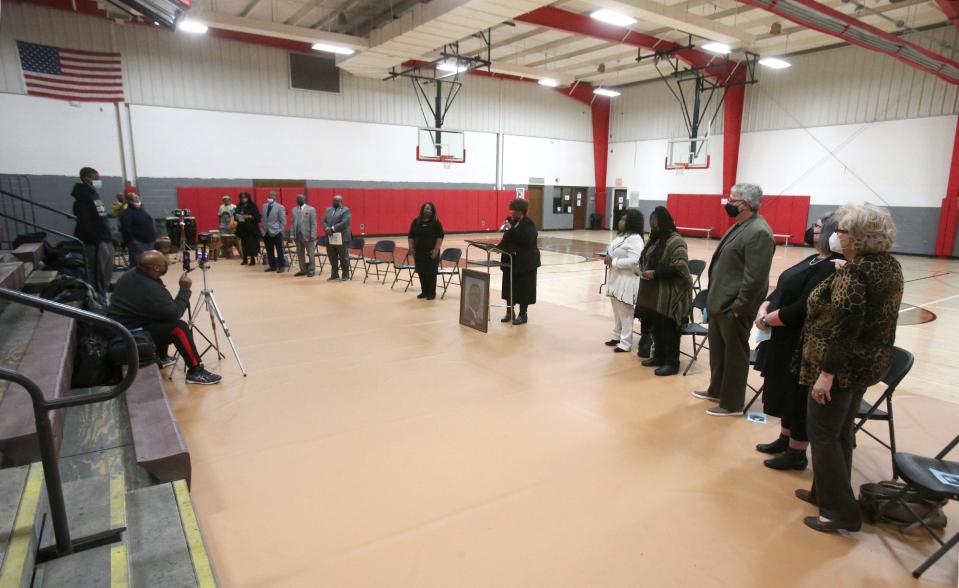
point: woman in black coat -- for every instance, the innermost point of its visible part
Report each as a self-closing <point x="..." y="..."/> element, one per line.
<point x="426" y="242"/>
<point x="783" y="315"/>
<point x="247" y="220"/>
<point x="519" y="239"/>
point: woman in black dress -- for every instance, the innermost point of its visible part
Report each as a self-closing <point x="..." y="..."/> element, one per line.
<point x="247" y="218"/>
<point x="783" y="314"/>
<point x="519" y="239"/>
<point x="426" y="242"/>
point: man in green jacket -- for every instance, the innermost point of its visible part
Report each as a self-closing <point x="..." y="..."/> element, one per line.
<point x="738" y="283"/>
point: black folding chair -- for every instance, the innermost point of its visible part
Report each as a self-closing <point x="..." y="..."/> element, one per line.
<point x="405" y="266"/>
<point x="757" y="392"/>
<point x="901" y="363"/>
<point x="289" y="248"/>
<point x="355" y="254"/>
<point x="696" y="330"/>
<point x="382" y="255"/>
<point x="696" y="269"/>
<point x="321" y="256"/>
<point x="446" y="274"/>
<point x="917" y="472"/>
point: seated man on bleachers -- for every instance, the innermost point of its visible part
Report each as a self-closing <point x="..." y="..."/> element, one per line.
<point x="140" y="300"/>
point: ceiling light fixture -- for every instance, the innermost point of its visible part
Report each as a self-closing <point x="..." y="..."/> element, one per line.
<point x="717" y="48"/>
<point x="192" y="26"/>
<point x="612" y="17"/>
<point x="774" y="63"/>
<point x="606" y="92"/>
<point x="451" y="66"/>
<point x="338" y="49"/>
<point x="548" y="82"/>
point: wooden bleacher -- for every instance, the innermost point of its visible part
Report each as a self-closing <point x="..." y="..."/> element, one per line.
<point x="123" y="464"/>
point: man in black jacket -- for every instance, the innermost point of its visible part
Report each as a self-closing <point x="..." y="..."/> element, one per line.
<point x="140" y="300"/>
<point x="93" y="230"/>
<point x="139" y="230"/>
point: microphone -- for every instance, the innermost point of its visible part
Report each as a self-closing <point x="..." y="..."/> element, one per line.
<point x="507" y="223"/>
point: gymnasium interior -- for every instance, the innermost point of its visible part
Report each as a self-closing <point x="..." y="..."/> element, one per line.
<point x="362" y="436"/>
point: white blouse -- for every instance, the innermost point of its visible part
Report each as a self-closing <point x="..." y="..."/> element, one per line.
<point x="623" y="282"/>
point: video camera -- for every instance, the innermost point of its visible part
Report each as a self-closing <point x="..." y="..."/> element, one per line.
<point x="202" y="256"/>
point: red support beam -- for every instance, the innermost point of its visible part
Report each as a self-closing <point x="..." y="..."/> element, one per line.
<point x="949" y="213"/>
<point x="732" y="132"/>
<point x="581" y="24"/>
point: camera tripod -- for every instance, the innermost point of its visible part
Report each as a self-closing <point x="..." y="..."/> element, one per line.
<point x="208" y="302"/>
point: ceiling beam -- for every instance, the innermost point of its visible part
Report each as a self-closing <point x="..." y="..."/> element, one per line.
<point x="276" y="30"/>
<point x="249" y="8"/>
<point x="307" y="8"/>
<point x="573" y="54"/>
<point x="344" y="7"/>
<point x="542" y="48"/>
<point x="680" y="19"/>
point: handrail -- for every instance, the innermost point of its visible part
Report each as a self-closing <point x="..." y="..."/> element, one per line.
<point x="42" y="406"/>
<point x="41" y="227"/>
<point x="32" y="203"/>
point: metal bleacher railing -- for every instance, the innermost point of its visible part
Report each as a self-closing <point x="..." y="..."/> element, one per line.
<point x="13" y="223"/>
<point x="42" y="407"/>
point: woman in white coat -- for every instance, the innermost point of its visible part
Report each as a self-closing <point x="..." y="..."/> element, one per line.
<point x="622" y="286"/>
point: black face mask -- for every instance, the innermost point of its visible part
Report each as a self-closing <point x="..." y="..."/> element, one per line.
<point x="301" y="202"/>
<point x="732" y="210"/>
<point x="809" y="237"/>
<point x="336" y="205"/>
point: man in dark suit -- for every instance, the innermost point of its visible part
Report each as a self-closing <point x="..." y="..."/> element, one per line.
<point x="274" y="221"/>
<point x="738" y="283"/>
<point x="336" y="227"/>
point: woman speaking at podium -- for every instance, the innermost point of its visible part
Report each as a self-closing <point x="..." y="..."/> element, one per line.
<point x="519" y="240"/>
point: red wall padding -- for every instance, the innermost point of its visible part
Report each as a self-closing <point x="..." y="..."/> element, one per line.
<point x="376" y="211"/>
<point x="700" y="211"/>
<point x="786" y="215"/>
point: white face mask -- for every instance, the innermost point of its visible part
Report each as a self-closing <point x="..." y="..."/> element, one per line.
<point x="97" y="184"/>
<point x="835" y="245"/>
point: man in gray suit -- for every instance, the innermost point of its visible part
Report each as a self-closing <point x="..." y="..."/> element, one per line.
<point x="336" y="225"/>
<point x="738" y="283"/>
<point x="274" y="221"/>
<point x="303" y="232"/>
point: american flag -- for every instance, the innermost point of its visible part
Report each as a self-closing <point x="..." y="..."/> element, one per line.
<point x="67" y="74"/>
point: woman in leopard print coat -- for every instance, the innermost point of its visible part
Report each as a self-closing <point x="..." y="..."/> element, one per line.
<point x="847" y="345"/>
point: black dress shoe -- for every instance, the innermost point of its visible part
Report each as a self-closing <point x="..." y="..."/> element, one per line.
<point x="668" y="369"/>
<point x="620" y="350"/>
<point x="831" y="526"/>
<point x="270" y="269"/>
<point x="421" y="296"/>
<point x="805" y="496"/>
<point x="431" y="297"/>
<point x="520" y="320"/>
<point x="310" y="274"/>
<point x="612" y="343"/>
<point x="243" y="262"/>
<point x="298" y="274"/>
<point x="791" y="459"/>
<point x="645" y="346"/>
<point x="508" y="318"/>
<point x="652" y="362"/>
<point x="778" y="446"/>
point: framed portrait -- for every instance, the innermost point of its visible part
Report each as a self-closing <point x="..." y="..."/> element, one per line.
<point x="474" y="299"/>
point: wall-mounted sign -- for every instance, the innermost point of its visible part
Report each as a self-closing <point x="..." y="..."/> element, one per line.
<point x="521" y="193"/>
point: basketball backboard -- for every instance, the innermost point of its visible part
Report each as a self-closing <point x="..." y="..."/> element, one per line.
<point x="686" y="153"/>
<point x="440" y="145"/>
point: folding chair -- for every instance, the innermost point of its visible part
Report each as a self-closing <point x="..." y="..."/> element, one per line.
<point x="405" y="266"/>
<point x="289" y="248"/>
<point x="382" y="255"/>
<point x="694" y="329"/>
<point x="447" y="273"/>
<point x="321" y="256"/>
<point x="356" y="244"/>
<point x="696" y="269"/>
<point x="757" y="392"/>
<point x="901" y="363"/>
<point x="915" y="472"/>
